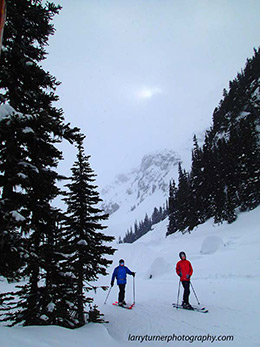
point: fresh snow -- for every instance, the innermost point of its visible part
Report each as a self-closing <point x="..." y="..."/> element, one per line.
<point x="51" y="307"/>
<point x="6" y="111"/>
<point x="32" y="167"/>
<point x="27" y="130"/>
<point x="256" y="94"/>
<point x="20" y="174"/>
<point x="242" y="115"/>
<point x="226" y="263"/>
<point x="17" y="216"/>
<point x="82" y="243"/>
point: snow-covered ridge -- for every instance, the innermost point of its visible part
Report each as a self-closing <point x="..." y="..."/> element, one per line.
<point x="132" y="188"/>
<point x="134" y="194"/>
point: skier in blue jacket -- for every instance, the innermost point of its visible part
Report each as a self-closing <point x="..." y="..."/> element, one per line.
<point x="120" y="273"/>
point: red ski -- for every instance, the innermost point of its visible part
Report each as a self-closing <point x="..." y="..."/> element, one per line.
<point x="128" y="307"/>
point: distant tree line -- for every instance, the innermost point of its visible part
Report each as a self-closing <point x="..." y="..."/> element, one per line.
<point x="55" y="253"/>
<point x="145" y="225"/>
<point x="225" y="172"/>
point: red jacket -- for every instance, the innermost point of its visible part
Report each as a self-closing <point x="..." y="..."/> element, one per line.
<point x="184" y="270"/>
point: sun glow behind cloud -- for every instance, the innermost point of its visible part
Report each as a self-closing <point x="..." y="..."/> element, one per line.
<point x="147" y="93"/>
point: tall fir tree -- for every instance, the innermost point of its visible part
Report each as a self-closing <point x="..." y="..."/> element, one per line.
<point x="155" y="216"/>
<point x="218" y="188"/>
<point x="208" y="176"/>
<point x="226" y="165"/>
<point x="173" y="214"/>
<point x="12" y="181"/>
<point x="30" y="157"/>
<point x="84" y="243"/>
<point x="147" y="223"/>
<point x="184" y="201"/>
<point x="196" y="177"/>
<point x="27" y="30"/>
<point x="248" y="162"/>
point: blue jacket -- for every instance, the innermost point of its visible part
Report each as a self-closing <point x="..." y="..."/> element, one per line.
<point x="120" y="274"/>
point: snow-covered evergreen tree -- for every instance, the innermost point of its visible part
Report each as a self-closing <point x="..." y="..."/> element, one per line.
<point x="84" y="244"/>
<point x="27" y="30"/>
<point x="184" y="201"/>
<point x="248" y="163"/>
<point x="172" y="226"/>
<point x="12" y="181"/>
<point x="30" y="158"/>
<point x="196" y="177"/>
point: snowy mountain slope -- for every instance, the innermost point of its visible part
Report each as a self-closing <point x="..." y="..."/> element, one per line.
<point x="140" y="183"/>
<point x="226" y="263"/>
<point x="138" y="192"/>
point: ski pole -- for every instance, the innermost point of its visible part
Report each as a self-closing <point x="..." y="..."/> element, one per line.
<point x="108" y="294"/>
<point x="178" y="294"/>
<point x="134" y="289"/>
<point x="194" y="293"/>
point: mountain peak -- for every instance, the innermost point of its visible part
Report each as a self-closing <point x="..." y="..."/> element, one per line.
<point x="161" y="159"/>
<point x="147" y="182"/>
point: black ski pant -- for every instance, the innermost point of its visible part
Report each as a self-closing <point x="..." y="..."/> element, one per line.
<point x="186" y="286"/>
<point x="121" y="295"/>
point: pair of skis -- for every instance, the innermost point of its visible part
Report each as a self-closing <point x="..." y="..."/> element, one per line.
<point x="127" y="306"/>
<point x="193" y="308"/>
<point x="190" y="308"/>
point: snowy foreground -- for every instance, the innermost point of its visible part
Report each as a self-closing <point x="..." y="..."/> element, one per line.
<point x="226" y="262"/>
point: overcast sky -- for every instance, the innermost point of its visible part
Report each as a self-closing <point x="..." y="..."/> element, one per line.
<point x="143" y="75"/>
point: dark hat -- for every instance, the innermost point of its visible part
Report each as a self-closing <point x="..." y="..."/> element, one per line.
<point x="181" y="254"/>
<point x="121" y="261"/>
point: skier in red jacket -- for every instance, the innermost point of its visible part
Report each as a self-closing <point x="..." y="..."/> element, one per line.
<point x="184" y="270"/>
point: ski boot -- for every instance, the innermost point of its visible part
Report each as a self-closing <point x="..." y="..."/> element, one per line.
<point x="187" y="306"/>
